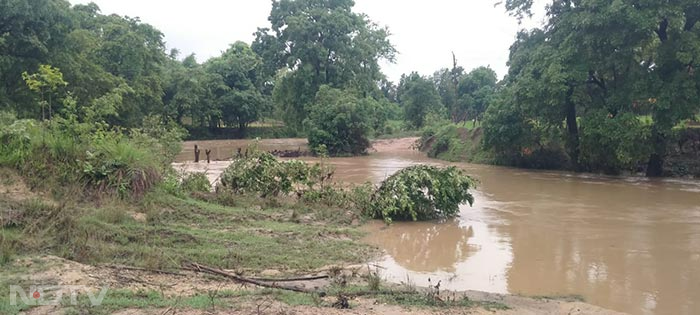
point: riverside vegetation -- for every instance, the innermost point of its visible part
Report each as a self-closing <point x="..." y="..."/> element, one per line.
<point x="574" y="97"/>
<point x="93" y="109"/>
<point x="100" y="195"/>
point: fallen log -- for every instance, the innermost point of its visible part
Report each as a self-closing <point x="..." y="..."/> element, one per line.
<point x="291" y="279"/>
<point x="164" y="272"/>
<point x="218" y="272"/>
<point x="204" y="269"/>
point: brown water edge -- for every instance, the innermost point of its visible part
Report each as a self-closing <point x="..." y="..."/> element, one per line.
<point x="628" y="244"/>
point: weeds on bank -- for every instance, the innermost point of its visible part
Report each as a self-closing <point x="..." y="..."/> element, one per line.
<point x="244" y="237"/>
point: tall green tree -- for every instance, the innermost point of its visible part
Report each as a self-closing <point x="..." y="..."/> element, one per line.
<point x="340" y="122"/>
<point x="619" y="57"/>
<point x="475" y="92"/>
<point x="447" y="83"/>
<point x="30" y="32"/>
<point x="320" y="43"/>
<point x="46" y="83"/>
<point x="419" y="97"/>
<point x="242" y="101"/>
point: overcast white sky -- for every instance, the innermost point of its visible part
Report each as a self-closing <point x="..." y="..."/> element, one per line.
<point x="424" y="32"/>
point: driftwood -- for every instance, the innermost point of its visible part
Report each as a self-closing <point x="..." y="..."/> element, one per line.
<point x="204" y="269"/>
<point x="164" y="272"/>
<point x="292" y="279"/>
<point x="196" y="154"/>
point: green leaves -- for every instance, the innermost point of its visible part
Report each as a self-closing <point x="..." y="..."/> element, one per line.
<point x="320" y="43"/>
<point x="262" y="173"/>
<point x="419" y="97"/>
<point x="341" y="122"/>
<point x="422" y="192"/>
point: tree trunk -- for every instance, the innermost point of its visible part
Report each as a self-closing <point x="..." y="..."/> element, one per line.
<point x="573" y="143"/>
<point x="242" y="129"/>
<point x="655" y="167"/>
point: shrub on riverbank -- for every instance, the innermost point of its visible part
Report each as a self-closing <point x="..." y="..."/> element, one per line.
<point x="63" y="152"/>
<point x="340" y="121"/>
<point x="455" y="143"/>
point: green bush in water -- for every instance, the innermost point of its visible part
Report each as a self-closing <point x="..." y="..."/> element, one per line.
<point x="422" y="192"/>
<point x="195" y="182"/>
<point x="261" y="172"/>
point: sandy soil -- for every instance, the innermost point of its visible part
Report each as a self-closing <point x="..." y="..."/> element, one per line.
<point x="395" y="145"/>
<point x="12" y="187"/>
<point x="54" y="270"/>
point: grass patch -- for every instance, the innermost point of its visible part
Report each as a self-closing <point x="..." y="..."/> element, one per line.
<point x="12" y="275"/>
<point x="122" y="299"/>
<point x="245" y="237"/>
<point x="418" y="299"/>
<point x="455" y="143"/>
<point x="116" y="300"/>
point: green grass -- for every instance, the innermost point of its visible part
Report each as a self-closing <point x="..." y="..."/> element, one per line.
<point x="250" y="236"/>
<point x="116" y="300"/>
<point x="243" y="237"/>
<point x="456" y="143"/>
<point x="12" y="275"/>
<point x="418" y="299"/>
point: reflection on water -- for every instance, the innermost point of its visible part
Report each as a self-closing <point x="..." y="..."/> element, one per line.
<point x="629" y="244"/>
<point x="426" y="247"/>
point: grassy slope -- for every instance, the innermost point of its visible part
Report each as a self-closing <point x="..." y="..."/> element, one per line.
<point x="250" y="236"/>
<point x="245" y="236"/>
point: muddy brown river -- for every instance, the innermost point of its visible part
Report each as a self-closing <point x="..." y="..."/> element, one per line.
<point x="623" y="243"/>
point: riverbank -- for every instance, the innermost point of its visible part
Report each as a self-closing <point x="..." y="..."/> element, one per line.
<point x="144" y="252"/>
<point x="133" y="292"/>
<point x="459" y="144"/>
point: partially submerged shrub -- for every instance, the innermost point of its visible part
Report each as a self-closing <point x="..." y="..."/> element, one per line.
<point x="263" y="173"/>
<point x="422" y="192"/>
<point x="195" y="182"/>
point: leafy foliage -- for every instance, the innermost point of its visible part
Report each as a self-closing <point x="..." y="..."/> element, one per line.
<point x="612" y="144"/>
<point x="195" y="182"/>
<point x="422" y="192"/>
<point x="603" y="63"/>
<point x="507" y="131"/>
<point x="320" y="43"/>
<point x="419" y="98"/>
<point x="340" y="122"/>
<point x="63" y="152"/>
<point x="262" y="173"/>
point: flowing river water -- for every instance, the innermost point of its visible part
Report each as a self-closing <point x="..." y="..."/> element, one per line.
<point x="624" y="243"/>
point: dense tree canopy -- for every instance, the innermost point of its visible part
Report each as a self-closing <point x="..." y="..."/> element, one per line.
<point x="419" y="98"/>
<point x="608" y="60"/>
<point x="603" y="85"/>
<point x="340" y="121"/>
<point x="320" y="43"/>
